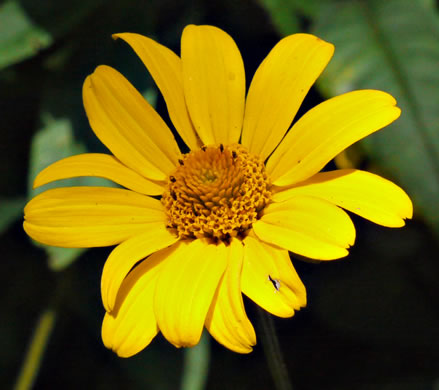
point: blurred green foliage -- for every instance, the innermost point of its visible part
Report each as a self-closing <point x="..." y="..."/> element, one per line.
<point x="10" y="210"/>
<point x="20" y="37"/>
<point x="392" y="45"/>
<point x="372" y="319"/>
<point x="27" y="27"/>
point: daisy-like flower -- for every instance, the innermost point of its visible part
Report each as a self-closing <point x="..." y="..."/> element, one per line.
<point x="193" y="231"/>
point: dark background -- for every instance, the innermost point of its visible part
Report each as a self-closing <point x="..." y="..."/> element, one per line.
<point x="372" y="319"/>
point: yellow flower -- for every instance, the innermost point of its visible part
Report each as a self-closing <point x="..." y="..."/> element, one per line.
<point x="194" y="231"/>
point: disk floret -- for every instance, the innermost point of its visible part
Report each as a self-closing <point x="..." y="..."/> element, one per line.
<point x="216" y="192"/>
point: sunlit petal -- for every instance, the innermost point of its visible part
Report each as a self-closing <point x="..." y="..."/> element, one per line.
<point x="185" y="290"/>
<point x="127" y="125"/>
<point x="270" y="280"/>
<point x="90" y="216"/>
<point x="126" y="255"/>
<point x="194" y="232"/>
<point x="214" y="83"/>
<point x="326" y="130"/>
<point x="165" y="68"/>
<point x="363" y="193"/>
<point x="131" y="325"/>
<point x="227" y="321"/>
<point x="98" y="165"/>
<point x="307" y="226"/>
<point x="279" y="87"/>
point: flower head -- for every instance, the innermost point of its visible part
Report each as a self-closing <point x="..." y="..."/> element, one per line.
<point x="193" y="231"/>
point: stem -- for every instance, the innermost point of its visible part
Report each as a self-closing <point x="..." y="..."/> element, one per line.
<point x="43" y="329"/>
<point x="35" y="352"/>
<point x="196" y="365"/>
<point x="273" y="353"/>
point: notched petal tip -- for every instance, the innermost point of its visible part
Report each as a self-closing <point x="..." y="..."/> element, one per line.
<point x="113" y="340"/>
<point x="405" y="206"/>
<point x="363" y="193"/>
<point x="243" y="349"/>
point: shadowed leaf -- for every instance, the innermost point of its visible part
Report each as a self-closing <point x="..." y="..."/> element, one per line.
<point x="54" y="142"/>
<point x="393" y="46"/>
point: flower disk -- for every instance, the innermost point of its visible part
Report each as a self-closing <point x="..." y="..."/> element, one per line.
<point x="216" y="193"/>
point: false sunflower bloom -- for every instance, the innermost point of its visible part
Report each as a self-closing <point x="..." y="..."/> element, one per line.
<point x="195" y="230"/>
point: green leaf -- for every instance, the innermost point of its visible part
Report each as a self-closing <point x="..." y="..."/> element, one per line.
<point x="283" y="15"/>
<point x="150" y="95"/>
<point x="54" y="142"/>
<point x="28" y="26"/>
<point x="20" y="37"/>
<point x="428" y="4"/>
<point x="392" y="45"/>
<point x="60" y="258"/>
<point x="10" y="211"/>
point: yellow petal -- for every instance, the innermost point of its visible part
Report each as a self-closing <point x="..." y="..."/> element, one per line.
<point x="226" y="320"/>
<point x="127" y="125"/>
<point x="326" y="130"/>
<point x="126" y="255"/>
<point x="270" y="280"/>
<point x="279" y="87"/>
<point x="307" y="226"/>
<point x="132" y="325"/>
<point x="363" y="193"/>
<point x="165" y="68"/>
<point x="185" y="290"/>
<point x="98" y="165"/>
<point x="90" y="216"/>
<point x="214" y="83"/>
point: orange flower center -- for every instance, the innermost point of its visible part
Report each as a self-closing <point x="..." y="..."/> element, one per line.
<point x="217" y="193"/>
